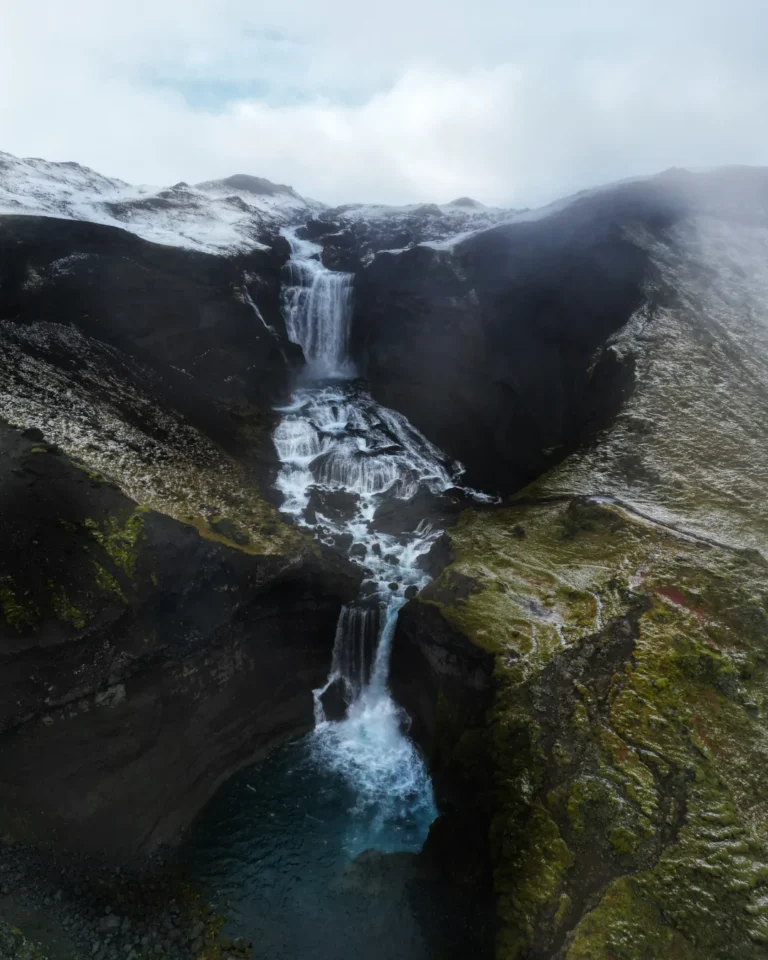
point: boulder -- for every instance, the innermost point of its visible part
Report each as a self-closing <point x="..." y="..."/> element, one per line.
<point x="334" y="700"/>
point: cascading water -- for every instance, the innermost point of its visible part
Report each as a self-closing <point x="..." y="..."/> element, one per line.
<point x="285" y="851"/>
<point x="317" y="306"/>
<point x="342" y="456"/>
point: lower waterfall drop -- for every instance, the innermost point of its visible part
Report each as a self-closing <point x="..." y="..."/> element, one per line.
<point x="343" y="457"/>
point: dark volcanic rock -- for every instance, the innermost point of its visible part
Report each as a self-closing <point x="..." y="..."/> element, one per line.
<point x="437" y="557"/>
<point x="316" y="228"/>
<point x="362" y="231"/>
<point x="497" y="351"/>
<point x="400" y="517"/>
<point x="334" y="701"/>
<point x="445" y="683"/>
<point x="179" y="312"/>
<point x="140" y="664"/>
<point x="336" y="505"/>
<point x="433" y="663"/>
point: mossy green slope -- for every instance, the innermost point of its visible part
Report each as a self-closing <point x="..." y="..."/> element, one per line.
<point x="107" y="564"/>
<point x="115" y="429"/>
<point x="75" y="552"/>
<point x="628" y="735"/>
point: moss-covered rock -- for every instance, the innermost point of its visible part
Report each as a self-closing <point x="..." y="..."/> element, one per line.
<point x="628" y="731"/>
<point x="141" y="662"/>
<point x="625" y="926"/>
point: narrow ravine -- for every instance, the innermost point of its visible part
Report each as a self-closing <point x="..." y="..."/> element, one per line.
<point x="294" y="850"/>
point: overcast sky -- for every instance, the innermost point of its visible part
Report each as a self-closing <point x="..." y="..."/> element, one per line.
<point x="514" y="103"/>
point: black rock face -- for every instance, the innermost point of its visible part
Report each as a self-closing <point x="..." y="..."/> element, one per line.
<point x="497" y="350"/>
<point x="334" y="701"/>
<point x="141" y="663"/>
<point x="177" y="311"/>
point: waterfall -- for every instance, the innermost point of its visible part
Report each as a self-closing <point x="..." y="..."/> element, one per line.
<point x="342" y="457"/>
<point x="317" y="308"/>
<point x="354" y="648"/>
<point x="361" y="479"/>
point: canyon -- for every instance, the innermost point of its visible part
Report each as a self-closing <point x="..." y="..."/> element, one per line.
<point x="464" y="505"/>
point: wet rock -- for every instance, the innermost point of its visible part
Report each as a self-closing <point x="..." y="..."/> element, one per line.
<point x="411" y="592"/>
<point x="394" y="587"/>
<point x="316" y="228"/>
<point x="334" y="701"/>
<point x="343" y="541"/>
<point x="401" y="517"/>
<point x="336" y="505"/>
<point x="369" y="590"/>
<point x="430" y="654"/>
<point x="438" y="556"/>
<point x="358" y="550"/>
<point x="109" y="924"/>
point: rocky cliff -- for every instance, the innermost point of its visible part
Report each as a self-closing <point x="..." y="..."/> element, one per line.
<point x="621" y="601"/>
<point x="161" y="624"/>
<point x="497" y="344"/>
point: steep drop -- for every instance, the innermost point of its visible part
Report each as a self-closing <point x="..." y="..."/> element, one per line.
<point x="317" y="308"/>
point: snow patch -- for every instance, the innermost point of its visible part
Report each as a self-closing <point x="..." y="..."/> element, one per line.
<point x="221" y="216"/>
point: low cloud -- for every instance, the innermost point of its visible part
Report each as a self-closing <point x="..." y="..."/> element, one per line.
<point x="412" y="102"/>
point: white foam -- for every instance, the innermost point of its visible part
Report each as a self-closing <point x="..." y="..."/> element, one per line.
<point x="338" y="438"/>
<point x="335" y="437"/>
<point x="317" y="308"/>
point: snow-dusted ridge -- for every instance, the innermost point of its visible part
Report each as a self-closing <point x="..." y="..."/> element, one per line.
<point x="218" y="216"/>
<point x="393" y="229"/>
<point x="241" y="212"/>
<point x="232" y="215"/>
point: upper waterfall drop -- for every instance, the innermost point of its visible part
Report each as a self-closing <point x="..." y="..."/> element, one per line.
<point x="317" y="309"/>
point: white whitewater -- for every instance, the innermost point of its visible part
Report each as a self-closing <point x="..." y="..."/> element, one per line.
<point x="317" y="308"/>
<point x="342" y="455"/>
